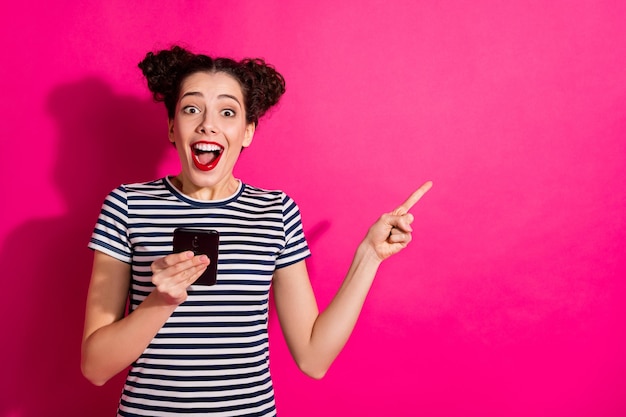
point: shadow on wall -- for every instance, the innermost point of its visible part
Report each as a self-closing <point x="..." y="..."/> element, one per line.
<point x="104" y="140"/>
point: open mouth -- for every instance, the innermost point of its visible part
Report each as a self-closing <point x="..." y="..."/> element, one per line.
<point x="206" y="155"/>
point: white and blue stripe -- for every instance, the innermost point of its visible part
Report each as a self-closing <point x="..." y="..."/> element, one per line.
<point x="211" y="357"/>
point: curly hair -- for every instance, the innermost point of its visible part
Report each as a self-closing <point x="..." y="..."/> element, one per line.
<point x="165" y="70"/>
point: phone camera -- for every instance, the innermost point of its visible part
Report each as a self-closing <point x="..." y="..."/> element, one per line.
<point x="195" y="244"/>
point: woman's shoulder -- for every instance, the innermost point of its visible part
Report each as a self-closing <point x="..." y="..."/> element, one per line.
<point x="265" y="193"/>
<point x="266" y="196"/>
<point x="252" y="190"/>
<point x="154" y="187"/>
<point x="145" y="185"/>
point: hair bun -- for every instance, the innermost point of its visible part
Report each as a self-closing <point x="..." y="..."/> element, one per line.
<point x="266" y="85"/>
<point x="161" y="70"/>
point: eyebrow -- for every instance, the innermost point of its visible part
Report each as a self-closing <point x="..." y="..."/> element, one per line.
<point x="199" y="94"/>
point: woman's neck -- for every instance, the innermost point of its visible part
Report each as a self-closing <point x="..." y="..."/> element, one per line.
<point x="218" y="192"/>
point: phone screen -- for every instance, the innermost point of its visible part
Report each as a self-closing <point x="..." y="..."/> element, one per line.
<point x="200" y="242"/>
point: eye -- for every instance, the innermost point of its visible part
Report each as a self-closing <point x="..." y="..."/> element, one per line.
<point x="191" y="110"/>
<point x="228" y="113"/>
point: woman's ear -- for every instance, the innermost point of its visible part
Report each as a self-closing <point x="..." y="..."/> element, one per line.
<point x="249" y="134"/>
<point x="170" y="129"/>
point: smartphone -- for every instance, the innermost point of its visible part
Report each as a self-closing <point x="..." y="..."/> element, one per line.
<point x="200" y="242"/>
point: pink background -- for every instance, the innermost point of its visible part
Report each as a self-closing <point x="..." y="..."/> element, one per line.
<point x="511" y="299"/>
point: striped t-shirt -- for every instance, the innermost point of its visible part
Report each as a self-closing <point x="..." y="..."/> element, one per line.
<point x="211" y="356"/>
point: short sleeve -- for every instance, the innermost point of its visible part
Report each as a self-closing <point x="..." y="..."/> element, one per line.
<point x="110" y="234"/>
<point x="296" y="248"/>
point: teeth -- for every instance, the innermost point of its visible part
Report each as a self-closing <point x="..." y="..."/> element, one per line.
<point x="207" y="147"/>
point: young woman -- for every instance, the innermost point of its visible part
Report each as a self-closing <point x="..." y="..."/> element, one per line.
<point x="203" y="350"/>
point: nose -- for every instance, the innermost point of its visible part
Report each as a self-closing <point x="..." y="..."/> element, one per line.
<point x="207" y="125"/>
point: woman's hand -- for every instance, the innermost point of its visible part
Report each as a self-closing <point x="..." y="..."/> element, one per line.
<point x="174" y="273"/>
<point x="392" y="232"/>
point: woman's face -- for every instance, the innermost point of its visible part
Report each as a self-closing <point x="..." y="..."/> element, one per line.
<point x="209" y="130"/>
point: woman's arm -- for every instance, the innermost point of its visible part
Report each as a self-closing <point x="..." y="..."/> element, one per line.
<point x="316" y="339"/>
<point x="111" y="342"/>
